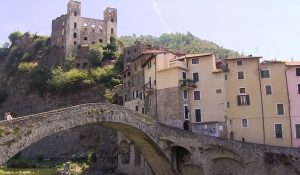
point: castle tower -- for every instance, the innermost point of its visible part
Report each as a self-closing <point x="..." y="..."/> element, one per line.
<point x="73" y="27"/>
<point x="110" y="22"/>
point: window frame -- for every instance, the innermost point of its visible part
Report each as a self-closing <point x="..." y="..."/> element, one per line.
<point x="298" y="88"/>
<point x="297" y="68"/>
<point x="199" y="95"/>
<point x="266" y="90"/>
<point x="242" y="122"/>
<point x="196" y="116"/>
<point x="282" y="109"/>
<point x="238" y="75"/>
<point x="197" y="62"/>
<point x="244" y="92"/>
<point x="187" y="95"/>
<point x="239" y="61"/>
<point x="265" y="70"/>
<point x="188" y="112"/>
<point x="281" y="131"/>
<point x="296" y="130"/>
<point x="196" y="73"/>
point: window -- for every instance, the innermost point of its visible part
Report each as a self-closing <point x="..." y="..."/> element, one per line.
<point x="186" y="112"/>
<point x="183" y="75"/>
<point x="196" y="95"/>
<point x="195" y="61"/>
<point x="219" y="91"/>
<point x="133" y="95"/>
<point x="135" y="50"/>
<point x="298" y="88"/>
<point x="137" y="94"/>
<point x="149" y="65"/>
<point x="75" y="13"/>
<point x="128" y="52"/>
<point x="93" y="42"/>
<point x="112" y="20"/>
<point x="228" y="104"/>
<point x="125" y="97"/>
<point x="128" y="74"/>
<point x="100" y="40"/>
<point x="74" y="35"/>
<point x="112" y="31"/>
<point x="85" y="38"/>
<point x="244" y="123"/>
<point x="239" y="62"/>
<point x="198" y="115"/>
<point x="226" y="77"/>
<point x="297" y="127"/>
<point x="150" y="83"/>
<point x="268" y="89"/>
<point x="85" y="25"/>
<point x="143" y="110"/>
<point x="265" y="73"/>
<point x="185" y="94"/>
<point x="278" y="131"/>
<point x="242" y="90"/>
<point x="75" y="25"/>
<point x="297" y="71"/>
<point x="241" y="75"/>
<point x="137" y="108"/>
<point x="75" y="43"/>
<point x="243" y="100"/>
<point x="196" y="76"/>
<point x="150" y="101"/>
<point x="280" y="109"/>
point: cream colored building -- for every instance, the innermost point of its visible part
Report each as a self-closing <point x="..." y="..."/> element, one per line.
<point x="275" y="103"/>
<point x="244" y="102"/>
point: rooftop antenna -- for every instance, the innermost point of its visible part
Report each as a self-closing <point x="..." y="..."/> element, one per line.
<point x="292" y="59"/>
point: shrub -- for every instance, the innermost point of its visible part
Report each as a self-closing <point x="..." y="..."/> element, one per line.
<point x="40" y="42"/>
<point x="95" y="54"/>
<point x="4" y="50"/>
<point x="102" y="75"/>
<point x="3" y="96"/>
<point x="72" y="80"/>
<point x="14" y="36"/>
<point x="69" y="63"/>
<point x="111" y="96"/>
<point x="39" y="79"/>
<point x="26" y="56"/>
<point x="27" y="66"/>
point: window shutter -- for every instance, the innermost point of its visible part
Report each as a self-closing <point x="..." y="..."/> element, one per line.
<point x="248" y="99"/>
<point x="239" y="100"/>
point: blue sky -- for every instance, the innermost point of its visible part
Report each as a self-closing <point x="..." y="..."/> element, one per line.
<point x="270" y="28"/>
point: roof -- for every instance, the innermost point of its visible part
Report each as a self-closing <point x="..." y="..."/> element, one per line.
<point x="293" y="63"/>
<point x="148" y="52"/>
<point x="148" y="58"/>
<point x="271" y="61"/>
<point x="218" y="71"/>
<point x="192" y="56"/>
<point x="243" y="57"/>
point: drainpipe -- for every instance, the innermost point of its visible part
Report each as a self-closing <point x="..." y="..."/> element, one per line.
<point x="156" y="90"/>
<point x="288" y="95"/>
<point x="262" y="103"/>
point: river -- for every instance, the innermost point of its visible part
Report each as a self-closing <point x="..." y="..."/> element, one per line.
<point x="12" y="171"/>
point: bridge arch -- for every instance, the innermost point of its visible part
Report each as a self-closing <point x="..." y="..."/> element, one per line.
<point x="20" y="133"/>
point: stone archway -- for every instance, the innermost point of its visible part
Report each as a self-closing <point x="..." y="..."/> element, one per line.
<point x="142" y="130"/>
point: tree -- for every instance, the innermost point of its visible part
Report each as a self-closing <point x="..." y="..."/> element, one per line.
<point x="95" y="54"/>
<point x="14" y="36"/>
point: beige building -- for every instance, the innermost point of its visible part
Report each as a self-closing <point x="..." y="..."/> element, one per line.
<point x="179" y="92"/>
<point x="275" y="103"/>
<point x="244" y="102"/>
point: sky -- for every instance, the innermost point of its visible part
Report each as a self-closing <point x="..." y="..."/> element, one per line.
<point x="268" y="28"/>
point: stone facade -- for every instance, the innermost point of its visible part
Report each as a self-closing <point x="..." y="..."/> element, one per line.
<point x="70" y="31"/>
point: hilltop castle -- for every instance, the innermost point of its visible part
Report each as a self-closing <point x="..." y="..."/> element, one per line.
<point x="71" y="31"/>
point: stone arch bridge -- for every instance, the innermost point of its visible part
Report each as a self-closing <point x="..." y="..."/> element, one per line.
<point x="200" y="154"/>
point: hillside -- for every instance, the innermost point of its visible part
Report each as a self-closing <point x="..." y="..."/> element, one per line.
<point x="187" y="43"/>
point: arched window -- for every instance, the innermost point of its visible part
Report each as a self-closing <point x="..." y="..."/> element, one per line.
<point x="124" y="151"/>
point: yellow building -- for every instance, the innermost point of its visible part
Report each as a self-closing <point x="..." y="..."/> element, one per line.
<point x="275" y="103"/>
<point x="244" y="102"/>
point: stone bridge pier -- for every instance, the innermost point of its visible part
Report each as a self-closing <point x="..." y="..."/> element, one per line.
<point x="167" y="150"/>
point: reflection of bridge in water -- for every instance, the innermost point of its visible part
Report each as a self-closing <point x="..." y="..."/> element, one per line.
<point x="166" y="149"/>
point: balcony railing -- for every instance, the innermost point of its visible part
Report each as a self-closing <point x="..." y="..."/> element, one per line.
<point x="148" y="87"/>
<point x="188" y="83"/>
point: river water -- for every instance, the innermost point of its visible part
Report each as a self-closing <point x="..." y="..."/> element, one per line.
<point x="11" y="171"/>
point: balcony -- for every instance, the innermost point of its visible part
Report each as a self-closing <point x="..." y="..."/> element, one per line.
<point x="187" y="83"/>
<point x="148" y="88"/>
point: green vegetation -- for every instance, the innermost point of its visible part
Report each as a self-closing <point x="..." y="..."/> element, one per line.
<point x="187" y="43"/>
<point x="4" y="50"/>
<point x="27" y="66"/>
<point x="95" y="54"/>
<point x="13" y="37"/>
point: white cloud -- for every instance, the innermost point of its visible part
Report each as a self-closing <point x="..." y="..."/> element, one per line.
<point x="160" y="16"/>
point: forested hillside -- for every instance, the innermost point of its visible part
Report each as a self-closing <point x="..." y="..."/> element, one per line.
<point x="187" y="43"/>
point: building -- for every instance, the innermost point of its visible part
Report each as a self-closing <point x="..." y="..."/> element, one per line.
<point x="293" y="82"/>
<point x="244" y="100"/>
<point x="71" y="31"/>
<point x="275" y="100"/>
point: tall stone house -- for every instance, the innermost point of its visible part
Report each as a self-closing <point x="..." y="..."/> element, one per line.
<point x="72" y="32"/>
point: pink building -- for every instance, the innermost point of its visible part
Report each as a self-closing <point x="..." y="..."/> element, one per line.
<point x="293" y="83"/>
